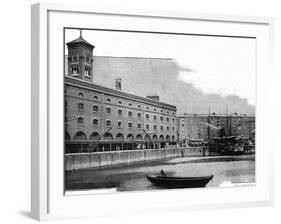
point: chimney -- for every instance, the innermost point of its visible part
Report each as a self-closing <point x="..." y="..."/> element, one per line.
<point x="154" y="97"/>
<point x="118" y="84"/>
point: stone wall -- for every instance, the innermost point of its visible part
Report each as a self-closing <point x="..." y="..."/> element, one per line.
<point x="104" y="159"/>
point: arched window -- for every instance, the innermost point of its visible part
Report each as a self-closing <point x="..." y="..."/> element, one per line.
<point x="95" y="98"/>
<point x="130" y="138"/>
<point x="80" y="106"/>
<point x="167" y="112"/>
<point x="161" y="118"/>
<point x="130" y="113"/>
<point x="139" y="106"/>
<point x="108" y="110"/>
<point x="154" y="138"/>
<point x="167" y="138"/>
<point x="130" y="105"/>
<point x="155" y="127"/>
<point x="80" y="120"/>
<point x="130" y="125"/>
<point x="108" y="100"/>
<point x="139" y="137"/>
<point x="120" y="112"/>
<point x="119" y="137"/>
<point x="155" y="109"/>
<point x="139" y="115"/>
<point x="147" y="126"/>
<point x="168" y="119"/>
<point x="154" y="117"/>
<point x="139" y="125"/>
<point x="168" y="128"/>
<point x="108" y="137"/>
<point x="119" y="124"/>
<point x="80" y="136"/>
<point x="147" y="108"/>
<point x="161" y="138"/>
<point x="95" y="108"/>
<point x="108" y="123"/>
<point x="147" y="116"/>
<point x="95" y="122"/>
<point x="119" y="102"/>
<point x="161" y="128"/>
<point x="95" y="136"/>
<point x="173" y="138"/>
<point x="80" y="94"/>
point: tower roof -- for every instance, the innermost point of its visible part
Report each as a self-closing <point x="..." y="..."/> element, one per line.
<point x="80" y="39"/>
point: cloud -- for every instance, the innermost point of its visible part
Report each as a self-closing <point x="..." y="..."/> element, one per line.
<point x="221" y="84"/>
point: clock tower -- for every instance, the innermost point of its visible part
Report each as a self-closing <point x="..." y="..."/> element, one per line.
<point x="80" y="59"/>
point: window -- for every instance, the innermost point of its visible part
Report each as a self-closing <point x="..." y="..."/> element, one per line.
<point x="74" y="69"/>
<point x="95" y="108"/>
<point x="173" y="119"/>
<point x="95" y="98"/>
<point x="119" y="124"/>
<point x="120" y="112"/>
<point x="155" y="109"/>
<point x="108" y="100"/>
<point x="80" y="94"/>
<point x="147" y="116"/>
<point x="80" y="106"/>
<point x="130" y="105"/>
<point x="119" y="102"/>
<point x="168" y="119"/>
<point x="161" y="128"/>
<point x="173" y="128"/>
<point x="95" y="122"/>
<point x="75" y="58"/>
<point x="108" y="123"/>
<point x="154" y="117"/>
<point x="130" y="113"/>
<point x="139" y="126"/>
<point x="147" y="108"/>
<point x="139" y="115"/>
<point x="167" y="112"/>
<point x="154" y="127"/>
<point x="80" y="120"/>
<point x="139" y="106"/>
<point x="147" y="126"/>
<point x="87" y="71"/>
<point x="161" y="118"/>
<point x="168" y="128"/>
<point x="88" y="58"/>
<point x="108" y="110"/>
<point x="130" y="125"/>
<point x="161" y="111"/>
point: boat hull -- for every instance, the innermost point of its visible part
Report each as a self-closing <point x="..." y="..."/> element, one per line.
<point x="179" y="182"/>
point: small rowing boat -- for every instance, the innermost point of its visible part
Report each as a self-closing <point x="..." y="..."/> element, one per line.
<point x="179" y="182"/>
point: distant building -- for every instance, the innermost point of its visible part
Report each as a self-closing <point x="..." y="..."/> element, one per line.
<point x="101" y="118"/>
<point x="204" y="126"/>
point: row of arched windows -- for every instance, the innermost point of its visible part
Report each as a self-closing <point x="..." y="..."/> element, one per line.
<point x="108" y="100"/>
<point x="108" y="123"/>
<point x="119" y="137"/>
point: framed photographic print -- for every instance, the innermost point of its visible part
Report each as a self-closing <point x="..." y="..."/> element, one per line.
<point x="148" y="111"/>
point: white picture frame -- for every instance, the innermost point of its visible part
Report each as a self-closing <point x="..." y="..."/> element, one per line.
<point x="47" y="198"/>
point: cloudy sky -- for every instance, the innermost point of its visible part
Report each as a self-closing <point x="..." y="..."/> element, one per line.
<point x="213" y="65"/>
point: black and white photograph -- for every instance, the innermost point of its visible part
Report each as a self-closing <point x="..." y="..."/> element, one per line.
<point x="155" y="111"/>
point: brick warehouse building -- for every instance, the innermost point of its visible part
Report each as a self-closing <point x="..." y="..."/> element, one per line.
<point x="99" y="118"/>
<point x="205" y="126"/>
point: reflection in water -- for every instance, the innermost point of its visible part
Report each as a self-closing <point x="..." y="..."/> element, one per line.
<point x="237" y="169"/>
